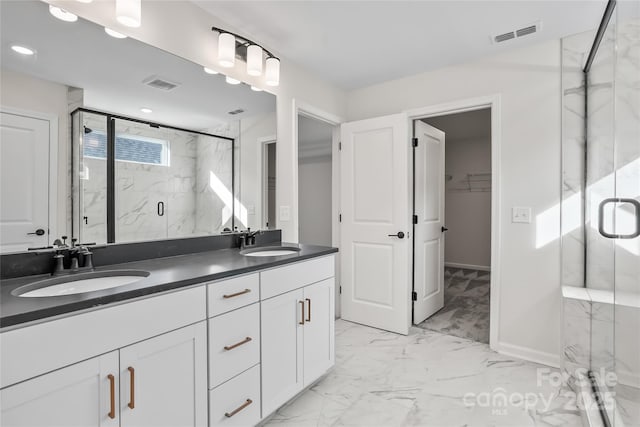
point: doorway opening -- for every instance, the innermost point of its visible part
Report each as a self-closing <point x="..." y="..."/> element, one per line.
<point x="452" y="223"/>
<point x="315" y="181"/>
<point x="268" y="183"/>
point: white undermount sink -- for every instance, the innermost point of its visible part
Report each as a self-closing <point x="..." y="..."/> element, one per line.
<point x="270" y="251"/>
<point x="80" y="283"/>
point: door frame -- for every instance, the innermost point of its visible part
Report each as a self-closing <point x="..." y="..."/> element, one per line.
<point x="53" y="161"/>
<point x="303" y="109"/>
<point x="262" y="169"/>
<point x="460" y="106"/>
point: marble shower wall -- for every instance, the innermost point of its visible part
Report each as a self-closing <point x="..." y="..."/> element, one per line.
<point x="140" y="187"/>
<point x="214" y="185"/>
<point x="601" y="320"/>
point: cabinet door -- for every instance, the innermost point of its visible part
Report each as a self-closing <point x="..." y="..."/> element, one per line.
<point x="82" y="395"/>
<point x="318" y="330"/>
<point x="163" y="380"/>
<point x="281" y="319"/>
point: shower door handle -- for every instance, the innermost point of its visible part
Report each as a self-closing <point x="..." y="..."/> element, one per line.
<point x="160" y="208"/>
<point x="636" y="206"/>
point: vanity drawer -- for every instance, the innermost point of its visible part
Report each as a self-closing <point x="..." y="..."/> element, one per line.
<point x="293" y="276"/>
<point x="230" y="294"/>
<point x="239" y="332"/>
<point x="239" y="398"/>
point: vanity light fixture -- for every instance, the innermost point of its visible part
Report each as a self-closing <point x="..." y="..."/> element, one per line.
<point x="22" y="50"/>
<point x="62" y="14"/>
<point x="209" y="70"/>
<point x="129" y="12"/>
<point x="232" y="81"/>
<point x="146" y="110"/>
<point x="232" y="46"/>
<point x="114" y="34"/>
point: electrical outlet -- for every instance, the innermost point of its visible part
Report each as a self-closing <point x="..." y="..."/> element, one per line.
<point x="285" y="213"/>
<point x="521" y="215"/>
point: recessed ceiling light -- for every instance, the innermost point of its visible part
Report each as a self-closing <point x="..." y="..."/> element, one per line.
<point x="146" y="110"/>
<point x="84" y="1"/>
<point x="115" y="34"/>
<point x="62" y="14"/>
<point x="22" y="50"/>
<point x="210" y="71"/>
<point x="256" y="89"/>
<point x="232" y="81"/>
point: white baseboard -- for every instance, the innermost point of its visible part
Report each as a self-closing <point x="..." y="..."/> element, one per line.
<point x="529" y="354"/>
<point x="467" y="266"/>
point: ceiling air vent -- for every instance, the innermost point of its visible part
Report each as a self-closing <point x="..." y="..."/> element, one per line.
<point x="161" y="83"/>
<point x="504" y="37"/>
<point x="524" y="31"/>
<point x="238" y="111"/>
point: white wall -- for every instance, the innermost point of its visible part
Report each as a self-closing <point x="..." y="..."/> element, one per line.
<point x="528" y="82"/>
<point x="252" y="130"/>
<point x="315" y="200"/>
<point x="182" y="28"/>
<point x="28" y="93"/>
<point x="467" y="213"/>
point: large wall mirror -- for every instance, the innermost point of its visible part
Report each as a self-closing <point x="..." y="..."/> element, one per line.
<point x="157" y="148"/>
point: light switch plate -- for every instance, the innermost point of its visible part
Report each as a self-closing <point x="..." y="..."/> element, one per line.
<point x="251" y="210"/>
<point x="285" y="213"/>
<point x="521" y="214"/>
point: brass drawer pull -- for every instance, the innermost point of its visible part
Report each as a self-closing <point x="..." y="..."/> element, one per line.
<point x="132" y="402"/>
<point x="112" y="397"/>
<point x="246" y="291"/>
<point x="231" y="347"/>
<point x="301" y="322"/>
<point x="309" y="313"/>
<point x="240" y="408"/>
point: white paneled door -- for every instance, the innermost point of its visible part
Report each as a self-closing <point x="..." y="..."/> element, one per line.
<point x="375" y="244"/>
<point x="429" y="228"/>
<point x="24" y="182"/>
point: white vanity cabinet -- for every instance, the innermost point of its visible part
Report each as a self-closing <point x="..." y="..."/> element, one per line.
<point x="157" y="382"/>
<point x="148" y="373"/>
<point x="163" y="380"/>
<point x="297" y="328"/>
<point x="76" y="396"/>
<point x="234" y="351"/>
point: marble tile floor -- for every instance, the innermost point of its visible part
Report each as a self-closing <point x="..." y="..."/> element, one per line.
<point x="466" y="305"/>
<point x="427" y="379"/>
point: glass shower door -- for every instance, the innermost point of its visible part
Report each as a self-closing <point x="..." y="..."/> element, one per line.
<point x="142" y="159"/>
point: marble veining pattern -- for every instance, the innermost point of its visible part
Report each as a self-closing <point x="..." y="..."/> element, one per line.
<point x="427" y="379"/>
<point x="466" y="309"/>
<point x="184" y="186"/>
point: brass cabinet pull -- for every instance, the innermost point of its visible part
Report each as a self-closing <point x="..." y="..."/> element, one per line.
<point x="231" y="347"/>
<point x="238" y="409"/>
<point x="301" y="322"/>
<point x="132" y="401"/>
<point x="112" y="397"/>
<point x="246" y="291"/>
<point x="309" y="313"/>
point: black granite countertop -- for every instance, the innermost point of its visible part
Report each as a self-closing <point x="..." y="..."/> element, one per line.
<point x="165" y="274"/>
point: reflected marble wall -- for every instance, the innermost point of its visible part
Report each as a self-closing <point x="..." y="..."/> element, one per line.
<point x="141" y="187"/>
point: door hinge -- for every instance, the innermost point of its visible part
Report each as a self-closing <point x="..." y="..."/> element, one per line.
<point x="414" y="142"/>
<point x="414" y="296"/>
<point x="340" y="289"/>
<point x="340" y="218"/>
<point x="339" y="146"/>
<point x="415" y="219"/>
